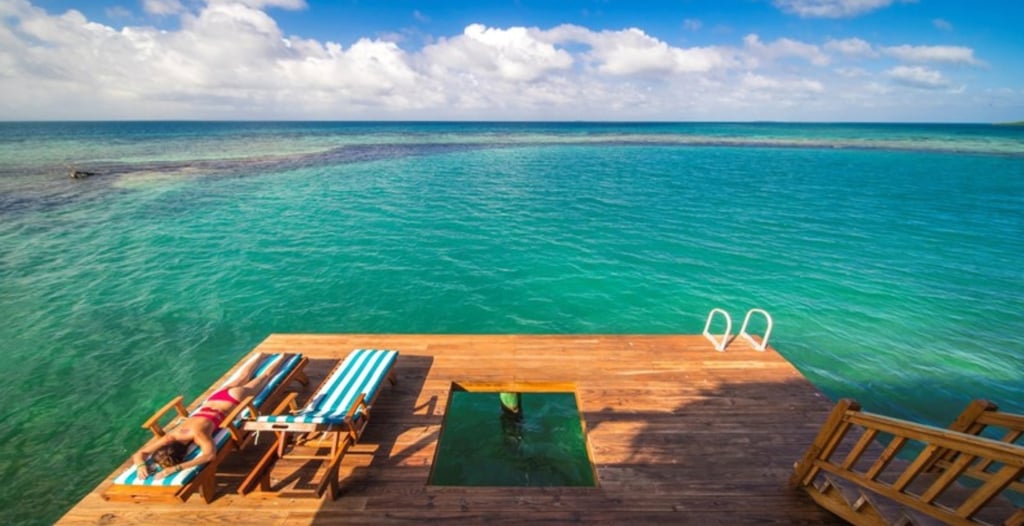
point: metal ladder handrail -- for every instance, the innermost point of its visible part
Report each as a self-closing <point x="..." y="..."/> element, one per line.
<point x="719" y="345"/>
<point x="767" y="331"/>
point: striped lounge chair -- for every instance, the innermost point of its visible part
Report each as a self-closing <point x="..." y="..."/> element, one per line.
<point x="335" y="416"/>
<point x="128" y="486"/>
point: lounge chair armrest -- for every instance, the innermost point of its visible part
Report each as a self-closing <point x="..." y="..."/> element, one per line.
<point x="153" y="424"/>
<point x="300" y="371"/>
<point x="356" y="429"/>
<point x="246" y="403"/>
<point x="288" y="403"/>
<point x="229" y="420"/>
<point x="360" y="402"/>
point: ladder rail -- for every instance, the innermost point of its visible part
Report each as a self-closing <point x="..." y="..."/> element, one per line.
<point x="720" y="345"/>
<point x="767" y="331"/>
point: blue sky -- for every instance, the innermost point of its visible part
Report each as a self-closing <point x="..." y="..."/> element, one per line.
<point x="790" y="60"/>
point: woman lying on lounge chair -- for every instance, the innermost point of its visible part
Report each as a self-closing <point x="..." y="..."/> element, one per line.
<point x="168" y="451"/>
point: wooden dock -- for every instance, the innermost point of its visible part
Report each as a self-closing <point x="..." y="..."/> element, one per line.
<point x="679" y="433"/>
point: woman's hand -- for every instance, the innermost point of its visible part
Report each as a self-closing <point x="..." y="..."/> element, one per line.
<point x="167" y="472"/>
<point x="142" y="470"/>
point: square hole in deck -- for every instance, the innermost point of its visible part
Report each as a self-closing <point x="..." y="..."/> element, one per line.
<point x="484" y="442"/>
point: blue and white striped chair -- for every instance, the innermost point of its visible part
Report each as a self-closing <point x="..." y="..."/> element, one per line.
<point x="180" y="486"/>
<point x="338" y="412"/>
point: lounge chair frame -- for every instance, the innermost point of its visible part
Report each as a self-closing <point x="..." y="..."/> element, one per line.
<point x="337" y="436"/>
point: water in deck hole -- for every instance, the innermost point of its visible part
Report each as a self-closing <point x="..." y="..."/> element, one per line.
<point x="481" y="446"/>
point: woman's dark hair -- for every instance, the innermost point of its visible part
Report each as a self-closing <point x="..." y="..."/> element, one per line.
<point x="170" y="455"/>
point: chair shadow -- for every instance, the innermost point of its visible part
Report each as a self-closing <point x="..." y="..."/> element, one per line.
<point x="403" y="413"/>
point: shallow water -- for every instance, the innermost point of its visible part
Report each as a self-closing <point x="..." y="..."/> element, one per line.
<point x="890" y="256"/>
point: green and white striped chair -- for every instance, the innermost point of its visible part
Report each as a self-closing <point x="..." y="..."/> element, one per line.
<point x="180" y="486"/>
<point x="338" y="412"/>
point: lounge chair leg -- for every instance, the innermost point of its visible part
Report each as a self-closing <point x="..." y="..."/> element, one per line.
<point x="206" y="488"/>
<point x="332" y="486"/>
<point x="261" y="471"/>
<point x="328" y="487"/>
<point x="282" y="441"/>
<point x="329" y="484"/>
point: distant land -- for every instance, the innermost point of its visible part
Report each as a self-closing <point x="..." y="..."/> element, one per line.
<point x="1015" y="123"/>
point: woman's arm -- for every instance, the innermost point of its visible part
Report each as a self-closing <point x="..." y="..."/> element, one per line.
<point x="140" y="456"/>
<point x="207" y="451"/>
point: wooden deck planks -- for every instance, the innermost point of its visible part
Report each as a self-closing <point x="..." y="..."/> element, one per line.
<point x="680" y="434"/>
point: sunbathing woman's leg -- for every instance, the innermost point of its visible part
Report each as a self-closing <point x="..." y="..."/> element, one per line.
<point x="256" y="384"/>
<point x="245" y="374"/>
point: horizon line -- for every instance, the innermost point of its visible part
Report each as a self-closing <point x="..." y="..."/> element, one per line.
<point x="500" y="121"/>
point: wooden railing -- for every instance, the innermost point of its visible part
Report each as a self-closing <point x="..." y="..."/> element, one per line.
<point x="979" y="417"/>
<point x="953" y="475"/>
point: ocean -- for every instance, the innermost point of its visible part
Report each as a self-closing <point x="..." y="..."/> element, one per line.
<point x="891" y="257"/>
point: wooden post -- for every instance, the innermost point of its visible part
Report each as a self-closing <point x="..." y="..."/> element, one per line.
<point x="805" y="466"/>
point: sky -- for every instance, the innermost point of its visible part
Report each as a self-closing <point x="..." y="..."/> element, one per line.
<point x="524" y="60"/>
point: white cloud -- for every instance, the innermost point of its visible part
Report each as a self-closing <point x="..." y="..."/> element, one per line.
<point x="391" y="36"/>
<point x="947" y="54"/>
<point x="230" y="60"/>
<point x="515" y="54"/>
<point x="163" y="7"/>
<point x="1001" y="92"/>
<point x="830" y="8"/>
<point x="225" y="58"/>
<point x="263" y="4"/>
<point x="420" y="17"/>
<point x="119" y="12"/>
<point x="853" y="47"/>
<point x="852" y="72"/>
<point x="918" y="77"/>
<point x="692" y="24"/>
<point x="942" y="24"/>
<point x="633" y="52"/>
<point x="785" y="48"/>
<point x="763" y="83"/>
<point x="877" y="88"/>
<point x="16" y="8"/>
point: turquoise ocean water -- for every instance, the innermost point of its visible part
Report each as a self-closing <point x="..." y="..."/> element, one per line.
<point x="891" y="257"/>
